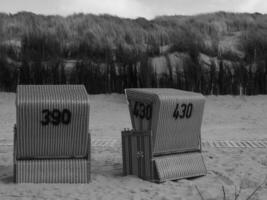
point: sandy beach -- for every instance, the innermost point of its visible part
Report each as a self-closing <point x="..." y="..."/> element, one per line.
<point x="225" y="118"/>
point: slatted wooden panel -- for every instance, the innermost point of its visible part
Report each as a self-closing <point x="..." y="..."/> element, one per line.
<point x="36" y="140"/>
<point x="137" y="154"/>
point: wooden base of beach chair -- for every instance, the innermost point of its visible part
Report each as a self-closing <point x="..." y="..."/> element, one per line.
<point x="52" y="171"/>
<point x="139" y="160"/>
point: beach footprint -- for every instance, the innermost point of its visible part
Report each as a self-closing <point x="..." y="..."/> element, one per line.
<point x="223" y="178"/>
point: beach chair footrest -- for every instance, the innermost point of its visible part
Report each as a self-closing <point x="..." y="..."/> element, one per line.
<point x="52" y="171"/>
<point x="179" y="166"/>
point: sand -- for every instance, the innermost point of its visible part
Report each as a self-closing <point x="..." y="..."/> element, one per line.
<point x="225" y="118"/>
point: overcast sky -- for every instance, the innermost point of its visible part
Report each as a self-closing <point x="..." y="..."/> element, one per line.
<point x="132" y="8"/>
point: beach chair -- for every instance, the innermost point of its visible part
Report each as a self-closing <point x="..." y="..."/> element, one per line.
<point x="51" y="135"/>
<point x="165" y="143"/>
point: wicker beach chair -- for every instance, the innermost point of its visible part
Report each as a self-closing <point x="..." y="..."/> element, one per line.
<point x="51" y="135"/>
<point x="165" y="143"/>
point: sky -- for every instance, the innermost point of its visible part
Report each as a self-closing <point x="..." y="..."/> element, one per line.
<point x="132" y="8"/>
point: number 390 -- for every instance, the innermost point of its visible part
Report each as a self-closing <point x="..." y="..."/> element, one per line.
<point x="56" y="117"/>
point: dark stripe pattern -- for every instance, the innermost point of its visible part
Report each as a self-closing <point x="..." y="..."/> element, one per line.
<point x="137" y="154"/>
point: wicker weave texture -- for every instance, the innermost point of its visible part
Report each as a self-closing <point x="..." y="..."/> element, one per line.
<point x="52" y="171"/>
<point x="35" y="140"/>
<point x="170" y="135"/>
<point x="180" y="166"/>
<point x="178" y="135"/>
<point x="47" y="170"/>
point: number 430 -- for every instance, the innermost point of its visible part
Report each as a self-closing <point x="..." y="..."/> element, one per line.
<point x="182" y="111"/>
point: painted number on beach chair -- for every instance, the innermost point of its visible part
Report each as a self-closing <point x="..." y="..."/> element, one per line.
<point x="56" y="117"/>
<point x="142" y="110"/>
<point x="182" y="111"/>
